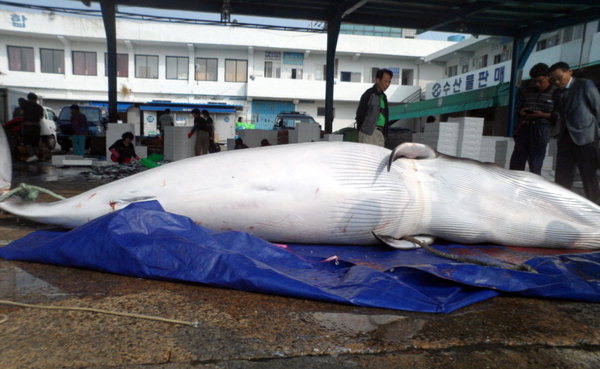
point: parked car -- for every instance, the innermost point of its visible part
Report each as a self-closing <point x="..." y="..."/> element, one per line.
<point x="286" y="121"/>
<point x="97" y="118"/>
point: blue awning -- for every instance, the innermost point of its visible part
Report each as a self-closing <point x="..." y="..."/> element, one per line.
<point x="188" y="108"/>
<point x="121" y="107"/>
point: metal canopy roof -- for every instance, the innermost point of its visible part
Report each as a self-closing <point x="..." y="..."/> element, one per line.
<point x="481" y="17"/>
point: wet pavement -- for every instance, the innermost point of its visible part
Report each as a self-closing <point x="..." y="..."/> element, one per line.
<point x="236" y="329"/>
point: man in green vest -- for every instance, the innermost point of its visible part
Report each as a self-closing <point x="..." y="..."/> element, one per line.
<point x="372" y="115"/>
<point x="243" y="125"/>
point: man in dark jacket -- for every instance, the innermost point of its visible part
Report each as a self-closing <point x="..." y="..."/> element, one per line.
<point x="372" y="115"/>
<point x="577" y="103"/>
<point x="32" y="114"/>
<point x="535" y="109"/>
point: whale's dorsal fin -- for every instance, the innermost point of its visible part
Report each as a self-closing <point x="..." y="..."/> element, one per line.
<point x="411" y="150"/>
<point x="403" y="244"/>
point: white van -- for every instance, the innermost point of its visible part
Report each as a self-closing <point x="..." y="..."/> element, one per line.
<point x="48" y="129"/>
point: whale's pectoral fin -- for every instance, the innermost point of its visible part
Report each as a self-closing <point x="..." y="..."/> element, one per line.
<point x="403" y="244"/>
<point x="411" y="150"/>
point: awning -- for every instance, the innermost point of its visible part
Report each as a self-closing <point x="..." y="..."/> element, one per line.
<point x="163" y="105"/>
<point x="121" y="107"/>
<point x="478" y="99"/>
<point x="188" y="108"/>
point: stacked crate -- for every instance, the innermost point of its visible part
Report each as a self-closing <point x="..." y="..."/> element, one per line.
<point x="442" y="136"/>
<point x="469" y="137"/>
<point x="305" y="132"/>
<point x="177" y="145"/>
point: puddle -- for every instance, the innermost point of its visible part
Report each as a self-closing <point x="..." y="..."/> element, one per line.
<point x="388" y="325"/>
<point x="15" y="282"/>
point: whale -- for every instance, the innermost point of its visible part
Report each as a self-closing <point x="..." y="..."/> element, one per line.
<point x="340" y="193"/>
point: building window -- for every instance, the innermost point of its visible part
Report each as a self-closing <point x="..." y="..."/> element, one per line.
<point x="122" y="65"/>
<point x="482" y="62"/>
<point x="84" y="63"/>
<point x="567" y="34"/>
<point x="465" y="68"/>
<point x="52" y="61"/>
<point x="20" y="58"/>
<point x="548" y="43"/>
<point x="146" y="66"/>
<point x="178" y="67"/>
<point x="395" y="77"/>
<point x="350" y="77"/>
<point x="296" y="73"/>
<point x="452" y="70"/>
<point x="206" y="69"/>
<point x="272" y="69"/>
<point x="236" y="70"/>
<point x="408" y="76"/>
<point x="497" y="59"/>
<point x="321" y="111"/>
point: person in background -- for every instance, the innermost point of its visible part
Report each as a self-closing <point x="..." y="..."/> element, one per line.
<point x="202" y="128"/>
<point x="372" y="114"/>
<point x="243" y="125"/>
<point x="14" y="127"/>
<point x="577" y="103"/>
<point x="239" y="144"/>
<point x="166" y="119"/>
<point x="535" y="111"/>
<point x="430" y="119"/>
<point x="265" y="142"/>
<point x="123" y="150"/>
<point x="32" y="114"/>
<point x="80" y="129"/>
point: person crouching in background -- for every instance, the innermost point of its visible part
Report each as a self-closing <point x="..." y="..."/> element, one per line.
<point x="123" y="150"/>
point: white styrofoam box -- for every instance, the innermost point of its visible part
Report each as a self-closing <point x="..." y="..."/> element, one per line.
<point x="487" y="151"/>
<point x="305" y="132"/>
<point x="442" y="136"/>
<point x="177" y="145"/>
<point x="114" y="131"/>
<point x="470" y="133"/>
<point x="141" y="151"/>
<point x="333" y="137"/>
<point x="72" y="160"/>
<point x="504" y="149"/>
<point x="418" y="137"/>
<point x="253" y="137"/>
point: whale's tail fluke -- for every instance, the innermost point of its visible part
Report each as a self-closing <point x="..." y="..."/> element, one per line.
<point x="5" y="163"/>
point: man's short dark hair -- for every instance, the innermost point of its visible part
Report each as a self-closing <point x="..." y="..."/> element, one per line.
<point x="75" y="107"/>
<point x="195" y="111"/>
<point x="167" y="110"/>
<point x="383" y="71"/>
<point x="539" y="70"/>
<point x="560" y="65"/>
<point x="32" y="96"/>
<point x="126" y="135"/>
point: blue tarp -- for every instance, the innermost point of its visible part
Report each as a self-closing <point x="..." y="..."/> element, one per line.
<point x="143" y="240"/>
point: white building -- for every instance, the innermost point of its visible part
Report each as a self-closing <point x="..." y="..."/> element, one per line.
<point x="259" y="71"/>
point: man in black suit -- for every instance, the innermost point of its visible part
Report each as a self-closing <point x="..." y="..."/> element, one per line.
<point x="577" y="103"/>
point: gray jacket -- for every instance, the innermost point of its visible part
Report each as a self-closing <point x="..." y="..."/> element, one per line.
<point x="579" y="109"/>
<point x="367" y="113"/>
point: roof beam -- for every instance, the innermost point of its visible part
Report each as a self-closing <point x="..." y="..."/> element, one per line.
<point x="462" y="14"/>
